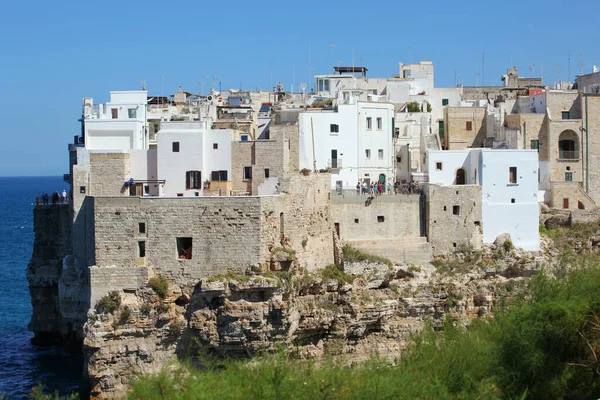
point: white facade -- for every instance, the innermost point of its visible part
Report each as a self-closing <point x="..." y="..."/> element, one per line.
<point x="117" y="125"/>
<point x="509" y="183"/>
<point x="355" y="142"/>
<point x="197" y="149"/>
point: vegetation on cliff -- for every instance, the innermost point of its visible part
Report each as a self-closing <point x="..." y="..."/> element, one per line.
<point x="541" y="344"/>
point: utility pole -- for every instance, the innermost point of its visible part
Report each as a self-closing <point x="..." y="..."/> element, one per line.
<point x="569" y="73"/>
<point x="483" y="69"/>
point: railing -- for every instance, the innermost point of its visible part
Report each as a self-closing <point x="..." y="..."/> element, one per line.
<point x="334" y="163"/>
<point x="570" y="155"/>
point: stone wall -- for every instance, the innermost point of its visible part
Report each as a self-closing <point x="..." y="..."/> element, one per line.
<point x="593" y="124"/>
<point x="558" y="101"/>
<point x="108" y="172"/>
<point x="305" y="216"/>
<point x="290" y="133"/>
<point x="225" y="234"/>
<point x="531" y="125"/>
<point x="260" y="155"/>
<point x="387" y="225"/>
<point x="571" y="195"/>
<point x="106" y="279"/>
<point x="457" y="137"/>
<point x="454" y="217"/>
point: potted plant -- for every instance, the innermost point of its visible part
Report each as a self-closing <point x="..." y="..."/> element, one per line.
<point x="207" y="184"/>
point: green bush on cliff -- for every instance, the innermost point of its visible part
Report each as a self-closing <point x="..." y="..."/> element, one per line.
<point x="336" y="272"/>
<point x="543" y="344"/>
<point x="352" y="254"/>
<point x="160" y="286"/>
<point x="110" y="302"/>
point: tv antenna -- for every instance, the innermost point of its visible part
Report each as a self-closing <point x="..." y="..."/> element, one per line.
<point x="303" y="88"/>
<point x="580" y="63"/>
<point x="143" y="85"/>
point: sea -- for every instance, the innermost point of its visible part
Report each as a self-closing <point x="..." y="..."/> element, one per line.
<point x="23" y="365"/>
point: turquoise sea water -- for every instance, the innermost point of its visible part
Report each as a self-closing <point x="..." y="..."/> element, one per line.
<point x="21" y="364"/>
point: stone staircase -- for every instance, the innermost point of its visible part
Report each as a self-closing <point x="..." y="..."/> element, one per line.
<point x="410" y="250"/>
<point x="269" y="187"/>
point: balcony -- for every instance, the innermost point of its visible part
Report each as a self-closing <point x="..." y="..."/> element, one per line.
<point x="568" y="155"/>
<point x="334" y="163"/>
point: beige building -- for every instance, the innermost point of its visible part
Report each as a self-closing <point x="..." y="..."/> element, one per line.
<point x="464" y="128"/>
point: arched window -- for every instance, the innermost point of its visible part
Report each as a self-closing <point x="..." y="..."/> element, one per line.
<point x="580" y="205"/>
<point x="461" y="177"/>
<point x="568" y="145"/>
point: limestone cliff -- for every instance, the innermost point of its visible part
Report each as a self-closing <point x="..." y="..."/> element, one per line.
<point x="364" y="309"/>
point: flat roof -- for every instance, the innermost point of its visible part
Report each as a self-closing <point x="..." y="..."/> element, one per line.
<point x="343" y="70"/>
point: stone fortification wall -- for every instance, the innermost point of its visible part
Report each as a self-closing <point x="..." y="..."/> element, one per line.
<point x="290" y="133"/>
<point x="224" y="234"/>
<point x="454" y="217"/>
<point x="303" y="216"/>
<point x="106" y="279"/>
<point x="593" y="124"/>
<point x="52" y="228"/>
<point x="388" y="226"/>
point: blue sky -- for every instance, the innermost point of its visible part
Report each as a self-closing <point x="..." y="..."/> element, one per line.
<point x="55" y="53"/>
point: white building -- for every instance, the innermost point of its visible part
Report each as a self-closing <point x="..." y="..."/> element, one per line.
<point x="189" y="153"/>
<point x="509" y="184"/>
<point x="120" y="124"/>
<point x="353" y="139"/>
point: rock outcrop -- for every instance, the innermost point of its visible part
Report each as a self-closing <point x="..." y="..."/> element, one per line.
<point x="366" y="309"/>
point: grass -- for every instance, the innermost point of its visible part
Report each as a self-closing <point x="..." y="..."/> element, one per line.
<point x="160" y="286"/>
<point x="229" y="276"/>
<point x="540" y="345"/>
<point x="291" y="253"/>
<point x="352" y="254"/>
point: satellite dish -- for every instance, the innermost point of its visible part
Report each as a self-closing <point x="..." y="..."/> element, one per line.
<point x="209" y="97"/>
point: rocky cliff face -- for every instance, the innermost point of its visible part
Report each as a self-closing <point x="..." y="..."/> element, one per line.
<point x="365" y="309"/>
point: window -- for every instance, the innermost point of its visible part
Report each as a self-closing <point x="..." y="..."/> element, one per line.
<point x="512" y="175"/>
<point x="244" y="138"/>
<point x="568" y="176"/>
<point x="368" y="153"/>
<point x="334" y="128"/>
<point x="369" y="123"/>
<point x="142" y="228"/>
<point x="456" y="210"/>
<point x="82" y="189"/>
<point x="114" y="113"/>
<point x="380" y="218"/>
<point x="399" y="159"/>
<point x="438" y="166"/>
<point x="568" y="145"/>
<point x="565" y="115"/>
<point x="356" y="220"/>
<point x="141" y="249"/>
<point x="132" y="113"/>
<point x="175" y="147"/>
<point x="379" y="123"/>
<point x="218" y="176"/>
<point x="512" y="201"/>
<point x="215" y="146"/>
<point x="444" y="102"/>
<point x="184" y="248"/>
<point x="441" y="128"/>
<point x="469" y="126"/>
<point x="566" y="203"/>
<point x="193" y="180"/>
<point x="267" y="172"/>
<point x="535" y="145"/>
<point x="247" y="173"/>
<point x="380" y="154"/>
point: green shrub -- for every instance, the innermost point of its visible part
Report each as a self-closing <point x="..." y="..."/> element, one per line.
<point x="352" y="254"/>
<point x="110" y="302"/>
<point x="160" y="286"/>
<point x="125" y="315"/>
<point x="336" y="272"/>
<point x="145" y="309"/>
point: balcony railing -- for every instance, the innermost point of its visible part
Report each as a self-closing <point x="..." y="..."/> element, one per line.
<point x="568" y="155"/>
<point x="334" y="163"/>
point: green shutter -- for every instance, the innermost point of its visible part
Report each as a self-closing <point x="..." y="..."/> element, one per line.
<point x="441" y="127"/>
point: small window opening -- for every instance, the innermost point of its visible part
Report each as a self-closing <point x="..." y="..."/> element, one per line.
<point x="267" y="172"/>
<point x="380" y="218"/>
<point x="82" y="189"/>
<point x="356" y="220"/>
<point x="512" y="175"/>
<point x="334" y="128"/>
<point x="477" y="223"/>
<point x="184" y="248"/>
<point x="438" y="166"/>
<point x="142" y="248"/>
<point x="215" y="146"/>
<point x="142" y="228"/>
<point x="512" y="201"/>
<point x="454" y="244"/>
<point x="398" y="159"/>
<point x="469" y="125"/>
<point x="444" y="208"/>
<point x="175" y="147"/>
<point x="179" y="194"/>
<point x="456" y="210"/>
